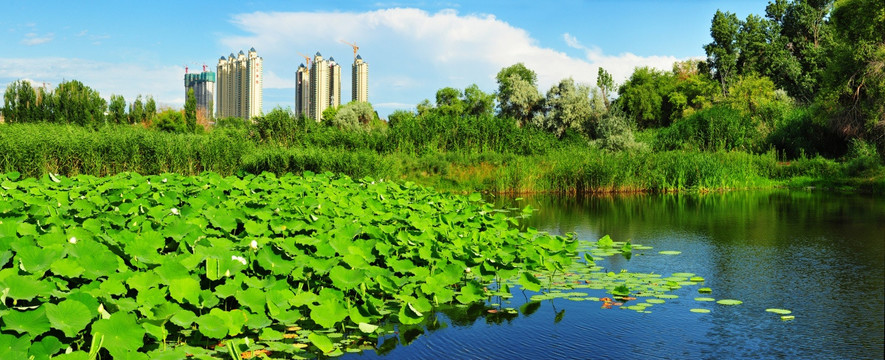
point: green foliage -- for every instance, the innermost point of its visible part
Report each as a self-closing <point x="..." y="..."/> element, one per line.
<point x="79" y="104"/>
<point x="117" y="110"/>
<point x="478" y="103"/>
<point x="567" y="107"/>
<point x="354" y="115"/>
<point x="398" y="116"/>
<point x="329" y="114"/>
<point x="137" y="112"/>
<point x="722" y="53"/>
<point x="171" y="121"/>
<point x="518" y="95"/>
<point x="615" y="133"/>
<point x="645" y="97"/>
<point x="19" y="100"/>
<point x="366" y="254"/>
<point x="801" y="133"/>
<point x="605" y="83"/>
<point x="854" y="92"/>
<point x="190" y="111"/>
<point x="717" y="128"/>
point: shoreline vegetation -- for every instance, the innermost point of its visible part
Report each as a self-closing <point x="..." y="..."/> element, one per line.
<point x="567" y="166"/>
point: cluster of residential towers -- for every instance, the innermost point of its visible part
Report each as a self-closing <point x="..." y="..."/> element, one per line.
<point x="238" y="90"/>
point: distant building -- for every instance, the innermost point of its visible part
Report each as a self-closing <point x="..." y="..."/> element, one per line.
<point x="203" y="85"/>
<point x="302" y="91"/>
<point x="240" y="80"/>
<point x="324" y="88"/>
<point x="360" y="80"/>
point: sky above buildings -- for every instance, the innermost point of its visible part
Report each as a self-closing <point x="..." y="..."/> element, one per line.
<point x="413" y="48"/>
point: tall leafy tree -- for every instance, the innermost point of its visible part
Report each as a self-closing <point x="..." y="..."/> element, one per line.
<point x="150" y="108"/>
<point x="854" y="95"/>
<point x="804" y="35"/>
<point x="722" y="53"/>
<point x="448" y="101"/>
<point x="79" y="104"/>
<point x="190" y="111"/>
<point x="605" y="84"/>
<point x="18" y="102"/>
<point x="117" y="109"/>
<point x="567" y="107"/>
<point x="644" y="97"/>
<point x="518" y="95"/>
<point x="478" y="103"/>
<point x="136" y="111"/>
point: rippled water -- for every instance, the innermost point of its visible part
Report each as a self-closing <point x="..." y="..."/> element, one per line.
<point x="818" y="254"/>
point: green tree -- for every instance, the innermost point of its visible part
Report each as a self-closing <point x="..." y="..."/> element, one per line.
<point x="354" y="115"/>
<point x="448" y="101"/>
<point x="605" y="84"/>
<point x="722" y="53"/>
<point x="136" y="111"/>
<point x="400" y="116"/>
<point x="329" y="114"/>
<point x="117" y="110"/>
<point x="518" y="95"/>
<point x="854" y="96"/>
<point x="805" y="34"/>
<point x="150" y="109"/>
<point x="567" y="107"/>
<point x="190" y="110"/>
<point x="478" y="103"/>
<point x="424" y="107"/>
<point x="644" y="97"/>
<point x="46" y="104"/>
<point x="18" y="102"/>
<point x="79" y="104"/>
<point x="171" y="121"/>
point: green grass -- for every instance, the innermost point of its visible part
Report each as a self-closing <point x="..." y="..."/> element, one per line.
<point x="552" y="166"/>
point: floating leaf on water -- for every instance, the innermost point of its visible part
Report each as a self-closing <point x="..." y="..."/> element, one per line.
<point x="683" y="275"/>
<point x="787" y="317"/>
<point x="669" y="252"/>
<point x="700" y="311"/>
<point x="667" y="296"/>
<point x="696" y="279"/>
<point x="655" y="301"/>
<point x="705" y="290"/>
<point x="704" y="299"/>
<point x="729" y="302"/>
<point x="779" y="311"/>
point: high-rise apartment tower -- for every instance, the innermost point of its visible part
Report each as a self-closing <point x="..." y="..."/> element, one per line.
<point x="323" y="88"/>
<point x="360" y="80"/>
<point x="239" y="89"/>
<point x="203" y="85"/>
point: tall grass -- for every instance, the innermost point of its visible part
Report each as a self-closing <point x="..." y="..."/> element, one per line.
<point x="460" y="158"/>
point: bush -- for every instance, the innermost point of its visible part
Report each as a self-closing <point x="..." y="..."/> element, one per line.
<point x="717" y="128"/>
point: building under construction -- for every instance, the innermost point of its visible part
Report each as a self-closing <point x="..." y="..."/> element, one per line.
<point x="203" y="85"/>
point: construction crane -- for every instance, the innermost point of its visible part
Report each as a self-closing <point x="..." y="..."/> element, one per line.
<point x="355" y="48"/>
<point x="306" y="60"/>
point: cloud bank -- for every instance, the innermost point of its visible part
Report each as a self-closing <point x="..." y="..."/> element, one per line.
<point x="413" y="53"/>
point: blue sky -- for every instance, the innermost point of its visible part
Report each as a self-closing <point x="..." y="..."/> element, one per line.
<point x="413" y="48"/>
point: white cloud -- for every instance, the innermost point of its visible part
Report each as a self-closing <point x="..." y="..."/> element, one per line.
<point x="34" y="39"/>
<point x="164" y="83"/>
<point x="412" y="53"/>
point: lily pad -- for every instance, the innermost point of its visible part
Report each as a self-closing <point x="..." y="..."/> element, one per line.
<point x="779" y="311"/>
<point x="705" y="290"/>
<point x="729" y="302"/>
<point x="700" y="311"/>
<point x="704" y="299"/>
<point x="787" y="317"/>
<point x="669" y="252"/>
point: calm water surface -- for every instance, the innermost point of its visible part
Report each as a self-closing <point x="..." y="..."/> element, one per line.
<point x="821" y="255"/>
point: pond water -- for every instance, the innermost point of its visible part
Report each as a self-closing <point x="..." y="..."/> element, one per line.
<point x="820" y="255"/>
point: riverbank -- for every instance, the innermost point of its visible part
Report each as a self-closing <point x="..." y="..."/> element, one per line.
<point x="569" y="167"/>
